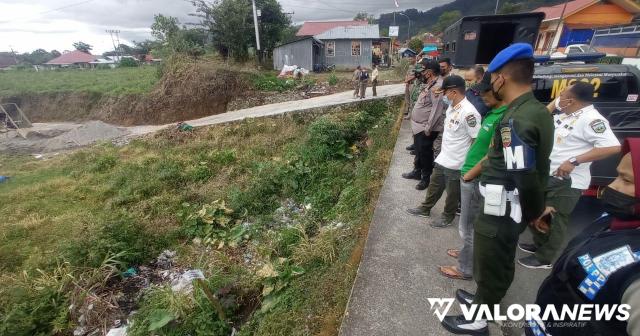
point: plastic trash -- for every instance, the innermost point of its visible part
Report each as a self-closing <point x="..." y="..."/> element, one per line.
<point x="3" y="178"/>
<point x="122" y="331"/>
<point x="184" y="127"/>
<point x="130" y="273"/>
<point x="185" y="282"/>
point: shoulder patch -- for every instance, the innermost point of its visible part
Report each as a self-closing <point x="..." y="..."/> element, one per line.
<point x="471" y="120"/>
<point x="598" y="126"/>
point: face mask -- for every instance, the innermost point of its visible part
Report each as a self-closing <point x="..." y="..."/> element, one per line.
<point x="496" y="93"/>
<point x="619" y="205"/>
<point x="446" y="100"/>
<point x="558" y="107"/>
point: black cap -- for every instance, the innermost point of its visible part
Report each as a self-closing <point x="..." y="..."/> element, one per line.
<point x="453" y="82"/>
<point x="432" y="65"/>
<point x="484" y="85"/>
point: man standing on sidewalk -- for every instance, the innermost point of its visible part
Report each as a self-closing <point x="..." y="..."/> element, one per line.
<point x="374" y="80"/>
<point x="426" y="123"/>
<point x="512" y="183"/>
<point x="461" y="127"/>
<point x="469" y="188"/>
<point x="356" y="81"/>
<point x="582" y="136"/>
<point x="364" y="80"/>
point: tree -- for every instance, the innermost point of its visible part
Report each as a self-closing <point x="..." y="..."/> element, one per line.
<point x="445" y="20"/>
<point x="164" y="27"/>
<point x="230" y="23"/>
<point x="84" y="47"/>
<point x="364" y="16"/>
<point x="510" y="8"/>
<point x="416" y="45"/>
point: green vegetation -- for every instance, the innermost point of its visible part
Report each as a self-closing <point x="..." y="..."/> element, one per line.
<point x="270" y="82"/>
<point x="416" y="45"/>
<point x="108" y="81"/>
<point x="333" y="79"/>
<point x="217" y="195"/>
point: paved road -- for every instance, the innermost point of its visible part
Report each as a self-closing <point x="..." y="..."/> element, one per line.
<point x="398" y="271"/>
<point x="279" y="108"/>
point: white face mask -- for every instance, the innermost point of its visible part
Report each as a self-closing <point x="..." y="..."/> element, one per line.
<point x="558" y="105"/>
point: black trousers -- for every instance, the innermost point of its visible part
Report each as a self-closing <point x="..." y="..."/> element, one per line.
<point x="424" y="153"/>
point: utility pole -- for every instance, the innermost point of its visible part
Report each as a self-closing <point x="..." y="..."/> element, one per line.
<point x="255" y="23"/>
<point x="115" y="40"/>
<point x="557" y="26"/>
<point x="15" y="59"/>
<point x="496" y="10"/>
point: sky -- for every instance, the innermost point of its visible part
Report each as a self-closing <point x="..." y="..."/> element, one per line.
<point x="57" y="24"/>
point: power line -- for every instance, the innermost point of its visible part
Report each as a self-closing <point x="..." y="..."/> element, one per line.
<point x="50" y="11"/>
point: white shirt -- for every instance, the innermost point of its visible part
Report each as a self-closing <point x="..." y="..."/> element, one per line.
<point x="461" y="126"/>
<point x="577" y="134"/>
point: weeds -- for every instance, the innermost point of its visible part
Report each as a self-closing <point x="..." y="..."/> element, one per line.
<point x="84" y="218"/>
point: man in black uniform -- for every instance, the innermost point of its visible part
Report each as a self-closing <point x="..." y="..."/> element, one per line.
<point x="602" y="264"/>
<point x="512" y="183"/>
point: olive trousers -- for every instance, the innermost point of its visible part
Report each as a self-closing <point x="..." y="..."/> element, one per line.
<point x="494" y="250"/>
<point x="563" y="198"/>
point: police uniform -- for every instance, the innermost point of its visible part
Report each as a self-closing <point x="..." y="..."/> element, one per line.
<point x="512" y="184"/>
<point x="599" y="266"/>
<point x="461" y="126"/>
<point x="575" y="134"/>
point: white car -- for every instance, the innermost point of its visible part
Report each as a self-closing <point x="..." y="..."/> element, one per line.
<point x="577" y="49"/>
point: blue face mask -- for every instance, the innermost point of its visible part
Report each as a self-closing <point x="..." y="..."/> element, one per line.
<point x="446" y="100"/>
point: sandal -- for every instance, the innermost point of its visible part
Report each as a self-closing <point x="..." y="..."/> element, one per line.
<point x="452" y="272"/>
<point x="453" y="253"/>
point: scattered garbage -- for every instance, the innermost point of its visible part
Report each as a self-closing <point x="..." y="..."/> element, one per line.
<point x="185" y="282"/>
<point x="3" y="178"/>
<point x="165" y="259"/>
<point x="122" y="331"/>
<point x="131" y="272"/>
<point x="184" y="127"/>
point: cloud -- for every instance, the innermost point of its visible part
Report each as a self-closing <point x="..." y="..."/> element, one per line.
<point x="56" y="24"/>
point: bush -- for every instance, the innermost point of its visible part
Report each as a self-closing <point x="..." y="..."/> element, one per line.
<point x="333" y="79"/>
<point x="611" y="60"/>
<point x="273" y="83"/>
<point x="128" y="63"/>
<point x="402" y="67"/>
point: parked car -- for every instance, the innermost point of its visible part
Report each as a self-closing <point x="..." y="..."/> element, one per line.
<point x="617" y="89"/>
<point x="574" y="49"/>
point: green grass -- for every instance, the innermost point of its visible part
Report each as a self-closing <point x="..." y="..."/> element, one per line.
<point x="117" y="81"/>
<point x="73" y="222"/>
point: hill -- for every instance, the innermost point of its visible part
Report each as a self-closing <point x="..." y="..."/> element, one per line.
<point x="423" y="21"/>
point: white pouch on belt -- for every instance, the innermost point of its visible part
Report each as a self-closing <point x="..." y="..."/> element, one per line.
<point x="495" y="200"/>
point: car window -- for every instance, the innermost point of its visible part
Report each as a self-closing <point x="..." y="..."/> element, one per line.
<point x="609" y="87"/>
<point x="573" y="50"/>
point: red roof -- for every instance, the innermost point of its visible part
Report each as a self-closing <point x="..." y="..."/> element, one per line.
<point x="310" y="28"/>
<point x="73" y="57"/>
<point x="554" y="12"/>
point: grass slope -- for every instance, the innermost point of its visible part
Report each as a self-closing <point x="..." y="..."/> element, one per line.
<point x="107" y="81"/>
<point x="73" y="223"/>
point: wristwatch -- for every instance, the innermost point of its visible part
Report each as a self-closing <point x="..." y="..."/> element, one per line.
<point x="574" y="161"/>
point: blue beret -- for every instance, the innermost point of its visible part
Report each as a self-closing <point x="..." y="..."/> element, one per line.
<point x="510" y="53"/>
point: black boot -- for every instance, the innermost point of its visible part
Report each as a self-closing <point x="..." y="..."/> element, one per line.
<point x="411" y="147"/>
<point x="464" y="297"/>
<point x="413" y="175"/>
<point x="422" y="185"/>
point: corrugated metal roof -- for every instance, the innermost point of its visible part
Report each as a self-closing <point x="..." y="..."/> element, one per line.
<point x="311" y="28"/>
<point x="352" y="32"/>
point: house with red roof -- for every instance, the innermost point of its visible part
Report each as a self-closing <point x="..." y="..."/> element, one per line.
<point x="73" y="58"/>
<point x="580" y="21"/>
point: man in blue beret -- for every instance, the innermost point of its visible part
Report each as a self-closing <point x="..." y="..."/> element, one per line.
<point x="512" y="183"/>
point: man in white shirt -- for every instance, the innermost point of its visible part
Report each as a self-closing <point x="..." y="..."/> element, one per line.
<point x="374" y="79"/>
<point x="461" y="126"/>
<point x="582" y="135"/>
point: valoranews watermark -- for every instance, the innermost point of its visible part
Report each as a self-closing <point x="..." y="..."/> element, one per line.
<point x="533" y="312"/>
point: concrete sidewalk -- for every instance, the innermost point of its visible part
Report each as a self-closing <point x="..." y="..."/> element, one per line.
<point x="399" y="268"/>
<point x="297" y="106"/>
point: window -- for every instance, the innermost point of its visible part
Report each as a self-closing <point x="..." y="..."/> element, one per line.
<point x="331" y="48"/>
<point x="574" y="50"/>
<point x="453" y="47"/>
<point x="355" y="48"/>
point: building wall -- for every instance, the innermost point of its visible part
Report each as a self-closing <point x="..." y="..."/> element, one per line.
<point x="298" y="53"/>
<point x="343" y="58"/>
<point x="599" y="15"/>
